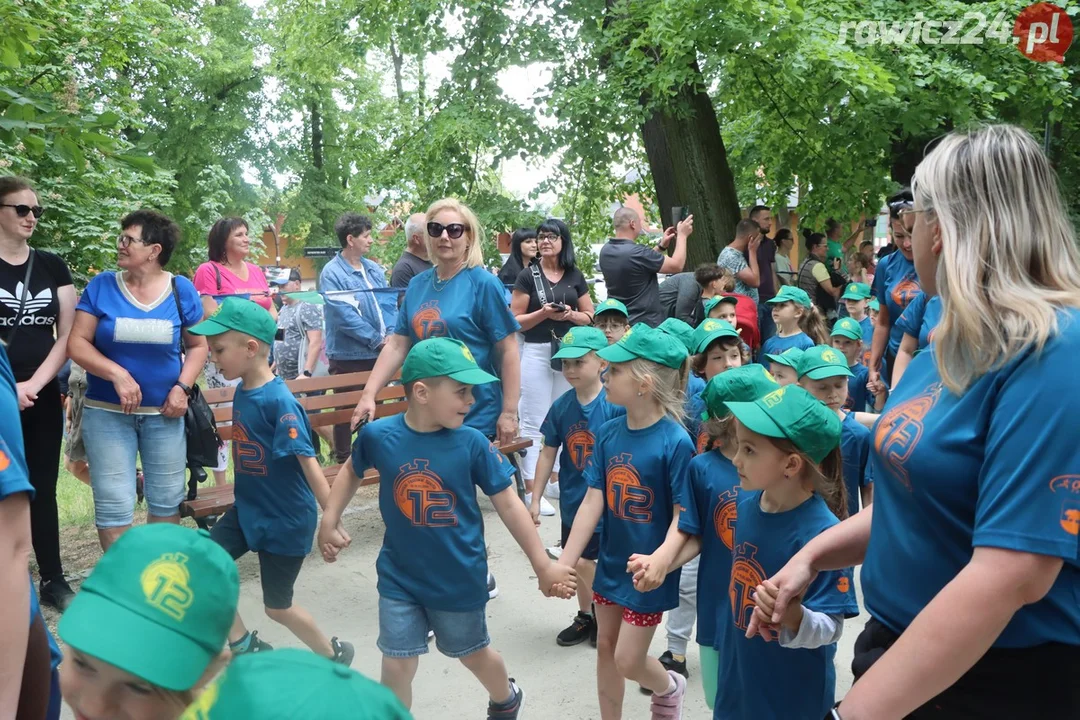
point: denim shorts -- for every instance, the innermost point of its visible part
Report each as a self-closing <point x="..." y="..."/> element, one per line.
<point x="112" y="441"/>
<point x="404" y="625"/>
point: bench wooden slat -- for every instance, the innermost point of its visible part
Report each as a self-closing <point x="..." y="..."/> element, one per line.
<point x="301" y="385"/>
<point x="314" y="403"/>
<point x="325" y="419"/>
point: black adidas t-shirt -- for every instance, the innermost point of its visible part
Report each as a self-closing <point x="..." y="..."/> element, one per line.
<point x="28" y="347"/>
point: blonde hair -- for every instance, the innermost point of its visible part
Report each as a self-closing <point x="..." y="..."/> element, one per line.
<point x="1008" y="259"/>
<point x="474" y="234"/>
<point x="668" y="384"/>
<point x="721" y="432"/>
<point x="827" y="477"/>
<point x="812" y="323"/>
<point x="727" y="281"/>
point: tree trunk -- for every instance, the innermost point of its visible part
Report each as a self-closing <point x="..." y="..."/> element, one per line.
<point x="690" y="168"/>
<point x="316" y="135"/>
<point x="399" y="61"/>
<point x="421" y="85"/>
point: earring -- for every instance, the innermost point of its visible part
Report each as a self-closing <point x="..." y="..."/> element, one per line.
<point x="640" y="394"/>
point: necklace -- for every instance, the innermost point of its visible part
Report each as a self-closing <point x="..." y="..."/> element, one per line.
<point x="438" y="284"/>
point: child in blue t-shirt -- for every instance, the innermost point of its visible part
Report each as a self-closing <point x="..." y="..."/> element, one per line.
<point x="611" y="319"/>
<point x="917" y="323"/>
<point x="707" y="526"/>
<point x="798" y="323"/>
<point x="824" y="373"/>
<point x="791" y="491"/>
<point x="278" y="477"/>
<point x="848" y="338"/>
<point x="572" y="423"/>
<point x="432" y="567"/>
<point x="637" y="482"/>
<point x="785" y="367"/>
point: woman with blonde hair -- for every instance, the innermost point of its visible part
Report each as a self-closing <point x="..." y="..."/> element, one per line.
<point x="970" y="550"/>
<point x="460" y="299"/>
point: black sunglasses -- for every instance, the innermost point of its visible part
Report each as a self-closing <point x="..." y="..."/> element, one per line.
<point x="24" y="210"/>
<point x="453" y="230"/>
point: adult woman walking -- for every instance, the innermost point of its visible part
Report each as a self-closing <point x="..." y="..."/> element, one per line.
<point x="37" y="307"/>
<point x="896" y="284"/>
<point x="228" y="273"/>
<point x="457" y="298"/>
<point x="127" y="334"/>
<point x="565" y="302"/>
<point x="971" y="574"/>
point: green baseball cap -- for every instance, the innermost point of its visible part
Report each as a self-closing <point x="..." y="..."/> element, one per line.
<point x="794" y="414"/>
<point x="579" y="342"/>
<point x="856" y="291"/>
<point x="159" y="605"/>
<point x="679" y="330"/>
<point x="822" y="361"/>
<point x="741" y="384"/>
<point x="789" y="357"/>
<point x="294" y="684"/>
<point x="611" y="305"/>
<point x="874" y="304"/>
<point x="710" y="330"/>
<point x="642" y="341"/>
<point x="717" y="299"/>
<point x="846" y="327"/>
<point x="790" y="293"/>
<point x="443" y="357"/>
<point x="241" y="315"/>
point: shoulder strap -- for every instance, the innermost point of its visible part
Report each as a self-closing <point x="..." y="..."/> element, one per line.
<point x="217" y="276"/>
<point x="179" y="315"/>
<point x="23" y="297"/>
<point x="538" y="282"/>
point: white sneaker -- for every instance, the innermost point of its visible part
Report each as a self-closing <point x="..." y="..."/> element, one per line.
<point x="554" y="552"/>
<point x="552" y="491"/>
<point x="546" y="508"/>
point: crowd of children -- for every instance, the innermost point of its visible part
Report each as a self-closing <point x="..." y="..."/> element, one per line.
<point x="684" y="468"/>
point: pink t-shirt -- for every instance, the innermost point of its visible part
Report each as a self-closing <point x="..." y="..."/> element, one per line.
<point x="206" y="282"/>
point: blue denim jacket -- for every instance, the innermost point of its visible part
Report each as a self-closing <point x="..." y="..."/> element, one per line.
<point x="352" y="321"/>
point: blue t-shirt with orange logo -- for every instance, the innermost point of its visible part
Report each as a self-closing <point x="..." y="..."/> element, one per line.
<point x="274" y="502"/>
<point x="574" y="427"/>
<point x="472" y="308"/>
<point x="643" y="475"/>
<point x="982" y="469"/>
<point x="433" y="548"/>
<point x="764" y="542"/>
<point x="895" y="285"/>
<point x="855" y="451"/>
<point x="710" y="514"/>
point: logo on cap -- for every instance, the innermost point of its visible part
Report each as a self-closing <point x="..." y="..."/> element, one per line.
<point x="853" y="287"/>
<point x="467" y="353"/>
<point x="711" y="325"/>
<point x="766" y="373"/>
<point x="568" y="337"/>
<point x="773" y="399"/>
<point x="628" y="333"/>
<point x="830" y="356"/>
<point x="165" y="585"/>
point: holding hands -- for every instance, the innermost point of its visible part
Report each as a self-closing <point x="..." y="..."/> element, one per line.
<point x="332" y="539"/>
<point x="557" y="580"/>
<point x="648" y="571"/>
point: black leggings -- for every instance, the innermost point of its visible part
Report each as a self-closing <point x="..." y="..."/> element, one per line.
<point x="1007" y="683"/>
<point x="43" y="433"/>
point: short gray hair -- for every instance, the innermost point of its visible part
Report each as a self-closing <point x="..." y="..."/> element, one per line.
<point x="624" y="216"/>
<point x="415" y="225"/>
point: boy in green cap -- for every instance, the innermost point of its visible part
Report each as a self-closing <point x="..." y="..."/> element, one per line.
<point x="294" y="684"/>
<point x="148" y="628"/>
<point x="707" y="525"/>
<point x="824" y="372"/>
<point x="791" y="492"/>
<point x="572" y="423"/>
<point x="785" y="366"/>
<point x="856" y="299"/>
<point x="847" y="337"/>
<point x="612" y="319"/>
<point x="277" y="475"/>
<point x="432" y="568"/>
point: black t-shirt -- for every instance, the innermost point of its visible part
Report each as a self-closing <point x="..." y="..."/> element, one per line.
<point x="29" y="347"/>
<point x="406" y="268"/>
<point x="630" y="276"/>
<point x="570" y="287"/>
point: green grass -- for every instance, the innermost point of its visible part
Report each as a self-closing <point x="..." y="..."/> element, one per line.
<point x="74" y="500"/>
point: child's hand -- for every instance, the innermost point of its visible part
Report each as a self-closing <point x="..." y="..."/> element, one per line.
<point x="765" y="596"/>
<point x="651" y="576"/>
<point x="332" y="540"/>
<point x="534" y="510"/>
<point x="637" y="565"/>
<point x="558" y="580"/>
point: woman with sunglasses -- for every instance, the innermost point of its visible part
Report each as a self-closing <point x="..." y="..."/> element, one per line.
<point x="128" y="329"/>
<point x="457" y="298"/>
<point x="565" y="304"/>
<point x="37" y="307"/>
<point x="895" y="285"/>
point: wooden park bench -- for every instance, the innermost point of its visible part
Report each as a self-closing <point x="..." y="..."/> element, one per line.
<point x="325" y="410"/>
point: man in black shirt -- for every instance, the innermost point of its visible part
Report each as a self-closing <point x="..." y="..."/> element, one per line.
<point x="414" y="260"/>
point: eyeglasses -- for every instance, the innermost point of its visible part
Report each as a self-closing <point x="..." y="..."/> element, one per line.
<point x="549" y="237"/>
<point x="453" y="230"/>
<point x="125" y="240"/>
<point x="912" y="211"/>
<point x="24" y="210"/>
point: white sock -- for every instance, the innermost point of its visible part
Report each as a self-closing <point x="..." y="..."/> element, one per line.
<point x="672" y="685"/>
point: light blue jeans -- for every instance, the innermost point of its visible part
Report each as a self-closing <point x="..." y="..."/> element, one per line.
<point x="112" y="441"/>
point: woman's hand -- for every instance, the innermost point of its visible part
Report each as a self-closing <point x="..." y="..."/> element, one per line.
<point x="784" y="588"/>
<point x="176" y="403"/>
<point x="365" y="411"/>
<point x="129" y="392"/>
<point x="560" y="315"/>
<point x="28" y="394"/>
<point x="507" y="427"/>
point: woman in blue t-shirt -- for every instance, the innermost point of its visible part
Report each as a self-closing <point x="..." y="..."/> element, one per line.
<point x="127" y="334"/>
<point x="971" y="572"/>
<point x="896" y="284"/>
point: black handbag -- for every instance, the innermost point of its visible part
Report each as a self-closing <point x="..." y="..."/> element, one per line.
<point x="556" y="343"/>
<point x="203" y="440"/>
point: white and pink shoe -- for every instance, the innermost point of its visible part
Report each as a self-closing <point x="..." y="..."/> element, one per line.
<point x="669" y="707"/>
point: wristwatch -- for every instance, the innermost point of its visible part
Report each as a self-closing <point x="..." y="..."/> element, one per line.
<point x="306" y="373"/>
<point x="186" y="388"/>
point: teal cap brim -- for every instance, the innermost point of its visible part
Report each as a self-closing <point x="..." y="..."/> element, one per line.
<point x="713" y="337"/>
<point x="208" y="327"/>
<point x="472" y="376"/>
<point x="780" y="360"/>
<point x="616" y="353"/>
<point x="827" y="372"/>
<point x="853" y="296"/>
<point x="844" y="333"/>
<point x="754" y="417"/>
<point x="571" y="353"/>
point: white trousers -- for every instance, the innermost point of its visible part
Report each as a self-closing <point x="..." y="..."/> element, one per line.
<point x="540" y="386"/>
